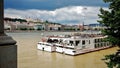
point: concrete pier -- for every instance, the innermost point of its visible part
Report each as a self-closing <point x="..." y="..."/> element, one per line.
<point x="8" y="49"/>
<point x="8" y="56"/>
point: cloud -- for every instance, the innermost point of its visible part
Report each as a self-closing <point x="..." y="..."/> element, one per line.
<point x="65" y="15"/>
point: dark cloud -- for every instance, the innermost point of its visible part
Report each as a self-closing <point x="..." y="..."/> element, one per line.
<point x="50" y="4"/>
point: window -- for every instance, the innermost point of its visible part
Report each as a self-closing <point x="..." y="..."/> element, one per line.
<point x="60" y="41"/>
<point x="55" y="40"/>
<point x="49" y="40"/>
<point x="71" y="42"/>
<point x="89" y="41"/>
<point x="101" y="44"/>
<point x="77" y="42"/>
<point x="98" y="45"/>
<point x="95" y="40"/>
<point x="95" y="45"/>
<point x="69" y="48"/>
<point x="83" y="42"/>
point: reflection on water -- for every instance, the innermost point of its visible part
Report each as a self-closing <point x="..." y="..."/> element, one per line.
<point x="30" y="57"/>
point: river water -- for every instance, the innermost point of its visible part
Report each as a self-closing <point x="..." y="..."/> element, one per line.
<point x="30" y="57"/>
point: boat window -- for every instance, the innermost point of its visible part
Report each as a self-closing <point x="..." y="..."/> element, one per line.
<point x="99" y="40"/>
<point x="83" y="42"/>
<point x="69" y="48"/>
<point x="89" y="41"/>
<point x="96" y="46"/>
<point x="60" y="46"/>
<point x="60" y="41"/>
<point x="95" y="40"/>
<point x="74" y="51"/>
<point x="49" y="41"/>
<point x="55" y="40"/>
<point x="39" y="43"/>
<point x="101" y="44"/>
<point x="77" y="42"/>
<point x="71" y="42"/>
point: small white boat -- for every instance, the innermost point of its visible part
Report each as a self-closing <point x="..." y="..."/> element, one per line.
<point x="49" y="44"/>
<point x="46" y="46"/>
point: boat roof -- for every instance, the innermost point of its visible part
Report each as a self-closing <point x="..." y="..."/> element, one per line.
<point x="77" y="36"/>
<point x="45" y="43"/>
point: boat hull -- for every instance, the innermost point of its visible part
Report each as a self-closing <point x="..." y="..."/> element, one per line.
<point x="46" y="48"/>
<point x="59" y="49"/>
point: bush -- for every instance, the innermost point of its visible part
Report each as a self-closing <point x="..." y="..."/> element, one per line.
<point x="38" y="28"/>
<point x="23" y="29"/>
<point x="31" y="28"/>
<point x="113" y="60"/>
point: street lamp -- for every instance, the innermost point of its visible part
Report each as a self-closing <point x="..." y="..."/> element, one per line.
<point x="84" y="10"/>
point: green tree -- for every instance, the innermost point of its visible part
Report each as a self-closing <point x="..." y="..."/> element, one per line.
<point x="111" y="19"/>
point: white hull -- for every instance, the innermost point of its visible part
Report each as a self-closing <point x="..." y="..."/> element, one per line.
<point x="82" y="51"/>
<point x="46" y="48"/>
<point x="69" y="51"/>
<point x="60" y="49"/>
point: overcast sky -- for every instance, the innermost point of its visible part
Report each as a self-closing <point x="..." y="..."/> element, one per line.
<point x="61" y="11"/>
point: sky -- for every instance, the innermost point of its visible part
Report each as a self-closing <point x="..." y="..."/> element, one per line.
<point x="59" y="11"/>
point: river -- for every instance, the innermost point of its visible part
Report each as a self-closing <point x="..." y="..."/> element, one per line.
<point x="30" y="57"/>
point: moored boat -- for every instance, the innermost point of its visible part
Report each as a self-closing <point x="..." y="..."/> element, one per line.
<point x="46" y="46"/>
<point x="74" y="44"/>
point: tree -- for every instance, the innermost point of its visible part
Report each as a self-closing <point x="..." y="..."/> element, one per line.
<point x="111" y="19"/>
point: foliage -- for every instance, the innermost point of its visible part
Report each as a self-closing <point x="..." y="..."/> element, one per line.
<point x="23" y="29"/>
<point x="31" y="28"/>
<point x="113" y="60"/>
<point x="39" y="29"/>
<point x="111" y="19"/>
<point x="78" y="29"/>
<point x="15" y="19"/>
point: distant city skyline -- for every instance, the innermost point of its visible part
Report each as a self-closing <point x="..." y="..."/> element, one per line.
<point x="60" y="11"/>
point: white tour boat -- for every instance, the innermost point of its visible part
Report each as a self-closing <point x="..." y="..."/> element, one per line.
<point x="74" y="44"/>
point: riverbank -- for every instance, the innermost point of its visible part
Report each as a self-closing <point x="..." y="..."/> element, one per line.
<point x="24" y="31"/>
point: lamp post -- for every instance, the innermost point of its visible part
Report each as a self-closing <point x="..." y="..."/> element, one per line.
<point x="84" y="10"/>
<point x="8" y="49"/>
